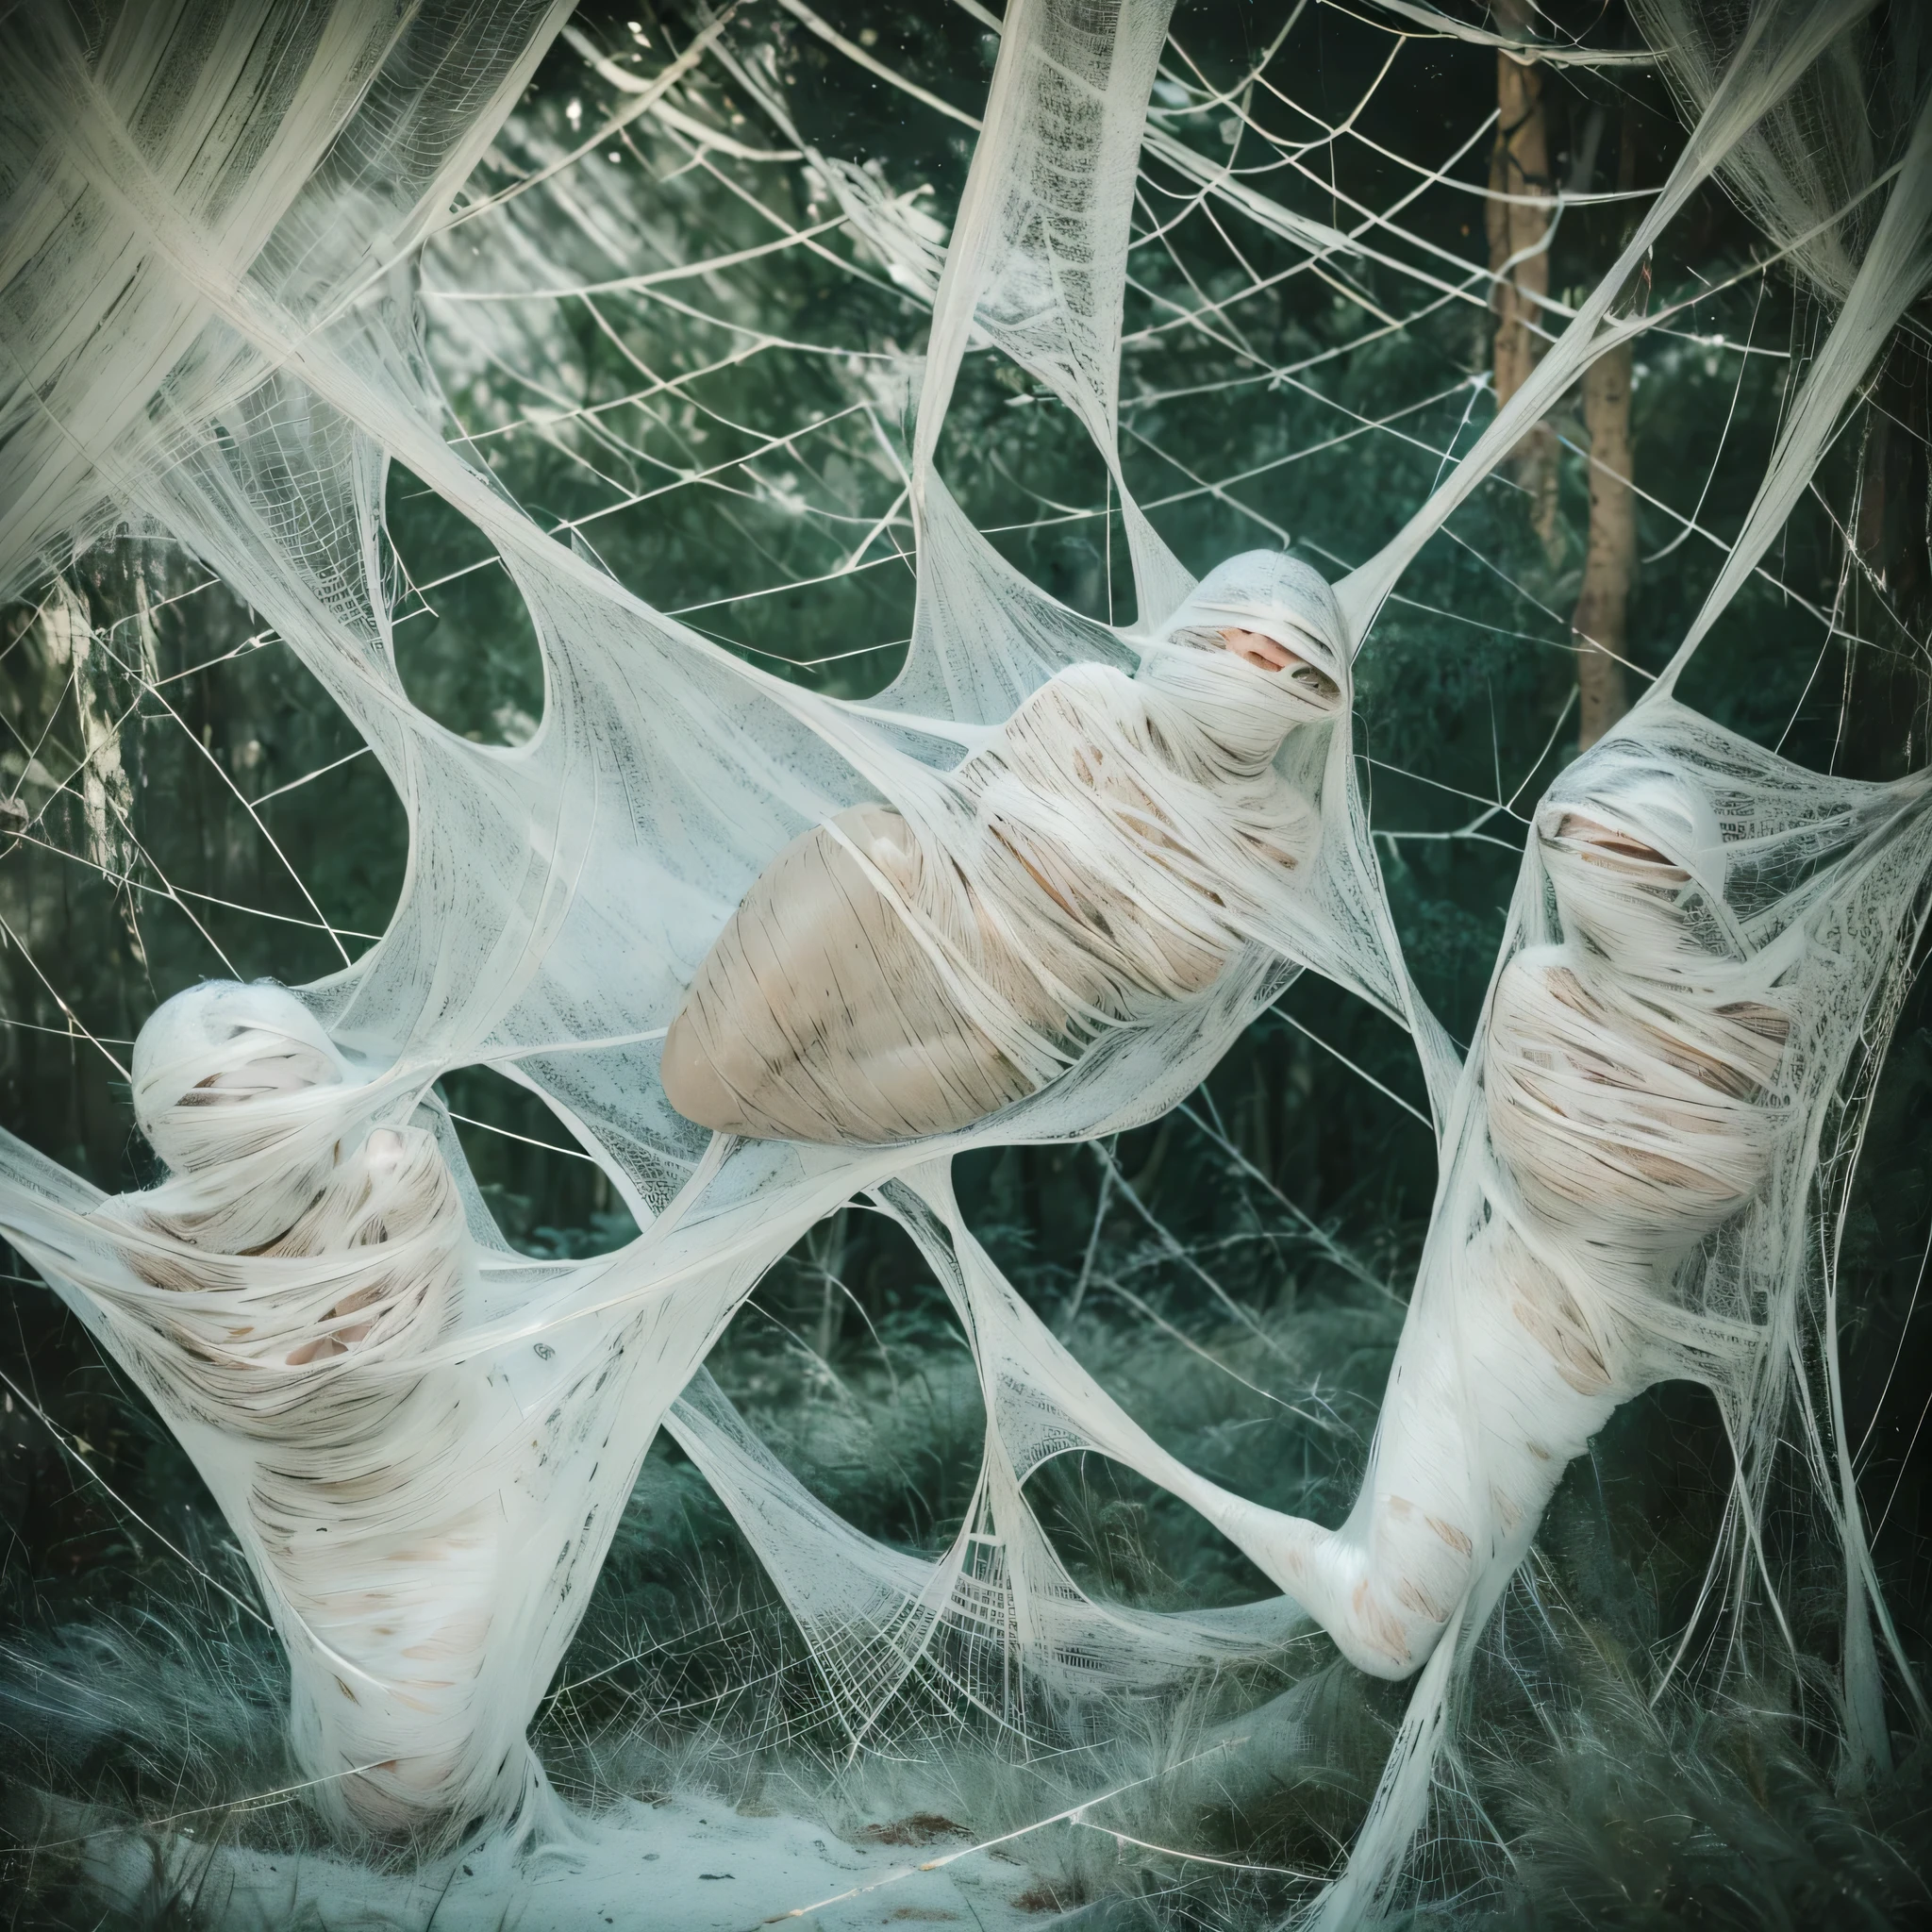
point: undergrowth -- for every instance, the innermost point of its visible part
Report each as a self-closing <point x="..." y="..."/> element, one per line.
<point x="1576" y="1801"/>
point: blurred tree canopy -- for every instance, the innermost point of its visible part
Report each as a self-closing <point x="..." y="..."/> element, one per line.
<point x="178" y="799"/>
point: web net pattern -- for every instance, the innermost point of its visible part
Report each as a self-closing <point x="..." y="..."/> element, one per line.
<point x="563" y="887"/>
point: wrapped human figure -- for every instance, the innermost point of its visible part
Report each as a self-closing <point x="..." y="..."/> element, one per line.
<point x="1116" y="844"/>
<point x="1630" y="1096"/>
<point x="315" y="1299"/>
<point x="420" y="1446"/>
<point x="310" y="1262"/>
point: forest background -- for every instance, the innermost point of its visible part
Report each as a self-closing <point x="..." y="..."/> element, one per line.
<point x="178" y="799"/>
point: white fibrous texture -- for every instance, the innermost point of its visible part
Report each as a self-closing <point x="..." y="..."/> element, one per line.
<point x="765" y="953"/>
<point x="1703" y="939"/>
<point x="291" y="1292"/>
<point x="1110" y="850"/>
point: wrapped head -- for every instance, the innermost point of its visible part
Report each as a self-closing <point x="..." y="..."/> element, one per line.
<point x="1635" y="856"/>
<point x="208" y="1052"/>
<point x="1256" y="649"/>
<point x="245" y="1097"/>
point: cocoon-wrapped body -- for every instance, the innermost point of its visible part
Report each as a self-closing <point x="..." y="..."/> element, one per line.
<point x="370" y="1495"/>
<point x="1631" y="1106"/>
<point x="1625" y="1110"/>
<point x="1108" y="851"/>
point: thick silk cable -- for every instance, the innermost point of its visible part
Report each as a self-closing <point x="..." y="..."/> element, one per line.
<point x="1038" y="251"/>
<point x="1076" y="864"/>
<point x="1782" y="43"/>
<point x="1894" y="273"/>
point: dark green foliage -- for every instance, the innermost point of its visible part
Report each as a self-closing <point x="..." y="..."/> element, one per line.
<point x="1242" y="1303"/>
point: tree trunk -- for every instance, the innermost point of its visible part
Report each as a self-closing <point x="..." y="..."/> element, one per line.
<point x="1884" y="705"/>
<point x="1600" y="625"/>
<point x="1520" y="165"/>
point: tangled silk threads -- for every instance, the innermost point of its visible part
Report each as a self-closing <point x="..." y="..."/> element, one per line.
<point x="1112" y="848"/>
<point x="295" y="1296"/>
<point x="849" y="944"/>
<point x="1627" y="1100"/>
<point x="307" y="1262"/>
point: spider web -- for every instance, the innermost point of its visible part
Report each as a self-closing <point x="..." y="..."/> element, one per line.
<point x="675" y="316"/>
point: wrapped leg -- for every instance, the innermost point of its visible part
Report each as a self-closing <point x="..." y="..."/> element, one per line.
<point x="818" y="1015"/>
<point x="1497" y="1386"/>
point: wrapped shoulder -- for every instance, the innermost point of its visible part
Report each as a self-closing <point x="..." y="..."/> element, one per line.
<point x="1088" y="691"/>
